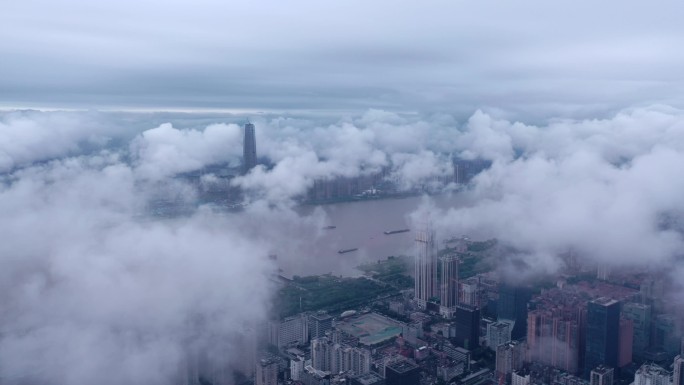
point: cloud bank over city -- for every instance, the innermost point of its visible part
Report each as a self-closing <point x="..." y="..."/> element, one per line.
<point x="607" y="190"/>
<point x="92" y="284"/>
<point x="89" y="288"/>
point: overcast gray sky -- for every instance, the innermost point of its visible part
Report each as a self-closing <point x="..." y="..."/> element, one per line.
<point x="525" y="57"/>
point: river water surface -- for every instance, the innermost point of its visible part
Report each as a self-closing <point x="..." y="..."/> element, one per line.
<point x="359" y="225"/>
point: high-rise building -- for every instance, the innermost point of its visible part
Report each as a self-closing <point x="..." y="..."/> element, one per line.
<point x="334" y="357"/>
<point x="402" y="372"/>
<point x="319" y="324"/>
<point x="467" y="321"/>
<point x="512" y="306"/>
<point x="651" y="374"/>
<point x="321" y="354"/>
<point x="640" y="314"/>
<point x="425" y="267"/>
<point x="448" y="285"/>
<point x="601" y="375"/>
<point x="602" y="336"/>
<point x="509" y="357"/>
<point x="249" y="156"/>
<point x="289" y="331"/>
<point x="498" y="333"/>
<point x="266" y="372"/>
<point x="678" y="373"/>
<point x="553" y="336"/>
<point x="469" y="292"/>
<point x="297" y="367"/>
<point x="667" y="334"/>
<point x="626" y="338"/>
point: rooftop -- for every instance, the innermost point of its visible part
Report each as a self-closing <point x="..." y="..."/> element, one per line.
<point x="368" y="378"/>
<point x="371" y="328"/>
<point x="605" y="301"/>
<point x="402" y="366"/>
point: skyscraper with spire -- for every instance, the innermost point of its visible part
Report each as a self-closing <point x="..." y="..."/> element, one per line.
<point x="249" y="157"/>
<point x="425" y="267"/>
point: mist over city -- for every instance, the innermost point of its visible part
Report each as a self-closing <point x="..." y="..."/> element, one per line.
<point x="317" y="193"/>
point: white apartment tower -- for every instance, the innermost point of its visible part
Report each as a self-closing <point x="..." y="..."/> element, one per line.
<point x="425" y="267"/>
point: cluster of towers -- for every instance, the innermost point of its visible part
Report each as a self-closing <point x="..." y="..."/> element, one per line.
<point x="427" y="285"/>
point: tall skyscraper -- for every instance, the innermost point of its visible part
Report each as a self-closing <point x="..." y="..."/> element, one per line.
<point x="512" y="307"/>
<point x="602" y="338"/>
<point x="554" y="330"/>
<point x="640" y="314"/>
<point x="449" y="285"/>
<point x="249" y="157"/>
<point x="425" y="267"/>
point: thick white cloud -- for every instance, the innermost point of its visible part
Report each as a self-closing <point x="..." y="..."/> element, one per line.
<point x="165" y="151"/>
<point x="91" y="291"/>
<point x="89" y="285"/>
<point x="603" y="188"/>
<point x="29" y="136"/>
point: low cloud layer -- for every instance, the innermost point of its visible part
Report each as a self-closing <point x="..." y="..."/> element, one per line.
<point x="93" y="289"/>
<point x="609" y="190"/>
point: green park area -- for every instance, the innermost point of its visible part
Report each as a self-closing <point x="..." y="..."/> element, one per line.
<point x="393" y="271"/>
<point x="327" y="292"/>
<point x="382" y="279"/>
